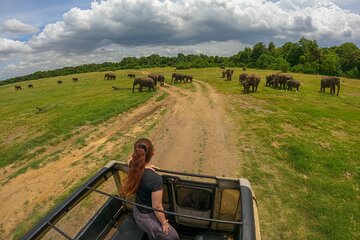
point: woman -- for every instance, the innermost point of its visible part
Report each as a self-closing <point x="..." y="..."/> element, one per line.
<point x="147" y="185"/>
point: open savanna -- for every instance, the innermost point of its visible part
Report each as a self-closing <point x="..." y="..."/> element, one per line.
<point x="300" y="150"/>
<point x="31" y="119"/>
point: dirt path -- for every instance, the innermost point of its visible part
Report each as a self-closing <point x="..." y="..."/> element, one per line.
<point x="193" y="136"/>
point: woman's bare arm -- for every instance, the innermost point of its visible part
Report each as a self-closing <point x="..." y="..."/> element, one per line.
<point x="156" y="198"/>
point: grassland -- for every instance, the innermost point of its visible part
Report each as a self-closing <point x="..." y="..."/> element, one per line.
<point x="25" y="131"/>
<point x="300" y="150"/>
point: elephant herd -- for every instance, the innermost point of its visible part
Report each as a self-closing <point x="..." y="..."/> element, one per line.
<point x="275" y="80"/>
<point x="179" y="77"/>
<point x="280" y="81"/>
<point x="150" y="81"/>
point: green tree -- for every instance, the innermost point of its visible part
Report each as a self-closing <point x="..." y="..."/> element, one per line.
<point x="330" y="64"/>
<point x="349" y="55"/>
<point x="310" y="49"/>
<point x="272" y="49"/>
<point x="258" y="50"/>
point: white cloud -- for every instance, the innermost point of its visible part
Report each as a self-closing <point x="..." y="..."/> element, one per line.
<point x="112" y="29"/>
<point x="8" y="46"/>
<point x="17" y="27"/>
<point x="155" y="22"/>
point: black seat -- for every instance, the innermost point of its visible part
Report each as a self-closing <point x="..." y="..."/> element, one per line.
<point x="210" y="236"/>
<point x="129" y="230"/>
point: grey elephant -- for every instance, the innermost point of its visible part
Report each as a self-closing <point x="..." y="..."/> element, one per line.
<point x="144" y="82"/>
<point x="270" y="79"/>
<point x="223" y="74"/>
<point x="173" y="76"/>
<point x="154" y="76"/>
<point x="161" y="79"/>
<point x="251" y="80"/>
<point x="292" y="83"/>
<point x="280" y="80"/>
<point x="188" y="78"/>
<point x="109" y="76"/>
<point x="330" y="82"/>
<point x="178" y="77"/>
<point x="242" y="77"/>
<point x="229" y="74"/>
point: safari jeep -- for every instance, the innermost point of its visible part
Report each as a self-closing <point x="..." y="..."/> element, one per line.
<point x="200" y="207"/>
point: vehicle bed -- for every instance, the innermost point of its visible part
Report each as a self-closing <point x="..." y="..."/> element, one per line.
<point x="198" y="206"/>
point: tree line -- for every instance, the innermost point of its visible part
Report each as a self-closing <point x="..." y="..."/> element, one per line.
<point x="304" y="56"/>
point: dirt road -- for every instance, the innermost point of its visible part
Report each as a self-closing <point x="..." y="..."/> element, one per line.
<point x="192" y="134"/>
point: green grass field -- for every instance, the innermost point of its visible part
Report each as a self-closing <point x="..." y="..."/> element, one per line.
<point x="65" y="107"/>
<point x="300" y="150"/>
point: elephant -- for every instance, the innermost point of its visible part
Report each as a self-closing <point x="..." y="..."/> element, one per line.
<point x="131" y="75"/>
<point x="176" y="77"/>
<point x="293" y="83"/>
<point x="173" y="76"/>
<point x="251" y="80"/>
<point x="154" y="76"/>
<point x="229" y="74"/>
<point x="244" y="69"/>
<point x="188" y="78"/>
<point x="144" y="82"/>
<point x="280" y="79"/>
<point x="161" y="79"/>
<point x="330" y="82"/>
<point x="75" y="79"/>
<point x="222" y="67"/>
<point x="30" y="85"/>
<point x="223" y="74"/>
<point x="242" y="77"/>
<point x="157" y="78"/>
<point x="270" y="79"/>
<point x="17" y="87"/>
<point x="59" y="82"/>
<point x="109" y="76"/>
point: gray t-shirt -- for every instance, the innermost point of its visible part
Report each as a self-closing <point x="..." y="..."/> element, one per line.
<point x="150" y="182"/>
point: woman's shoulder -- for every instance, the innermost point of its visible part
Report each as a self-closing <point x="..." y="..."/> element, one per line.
<point x="151" y="173"/>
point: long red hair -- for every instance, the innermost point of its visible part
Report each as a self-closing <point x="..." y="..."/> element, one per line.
<point x="143" y="151"/>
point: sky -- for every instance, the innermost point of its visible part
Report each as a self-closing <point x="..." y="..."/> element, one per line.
<point x="48" y="34"/>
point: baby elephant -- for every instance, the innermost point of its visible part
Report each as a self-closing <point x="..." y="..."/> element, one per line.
<point x="292" y="83"/>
